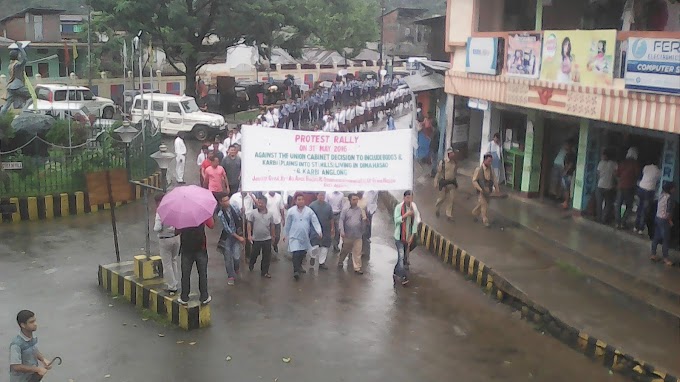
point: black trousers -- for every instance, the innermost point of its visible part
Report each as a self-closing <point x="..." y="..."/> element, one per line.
<point x="264" y="247"/>
<point x="188" y="260"/>
<point x="298" y="256"/>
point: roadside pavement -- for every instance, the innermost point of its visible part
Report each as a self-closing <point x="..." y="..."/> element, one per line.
<point x="537" y="254"/>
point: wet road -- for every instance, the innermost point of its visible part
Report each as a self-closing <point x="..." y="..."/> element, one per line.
<point x="334" y="326"/>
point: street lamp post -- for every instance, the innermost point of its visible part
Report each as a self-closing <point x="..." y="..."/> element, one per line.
<point x="127" y="133"/>
<point x="163" y="158"/>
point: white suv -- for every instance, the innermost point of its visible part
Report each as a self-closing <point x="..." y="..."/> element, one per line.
<point x="65" y="94"/>
<point x="177" y="114"/>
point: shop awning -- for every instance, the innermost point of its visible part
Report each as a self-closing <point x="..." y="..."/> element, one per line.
<point x="420" y="83"/>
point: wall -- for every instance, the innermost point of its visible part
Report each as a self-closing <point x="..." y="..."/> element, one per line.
<point x="435" y="42"/>
<point x="15" y="29"/>
<point x="51" y="28"/>
<point x="461" y="19"/>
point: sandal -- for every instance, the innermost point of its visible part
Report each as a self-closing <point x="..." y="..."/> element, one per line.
<point x="668" y="263"/>
<point x="655" y="258"/>
<point x="267" y="276"/>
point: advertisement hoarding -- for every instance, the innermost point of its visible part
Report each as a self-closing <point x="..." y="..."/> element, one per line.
<point x="483" y="54"/>
<point x="523" y="55"/>
<point x="579" y="56"/>
<point x="653" y="65"/>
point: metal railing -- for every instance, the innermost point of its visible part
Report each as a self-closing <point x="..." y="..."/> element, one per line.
<point x="48" y="170"/>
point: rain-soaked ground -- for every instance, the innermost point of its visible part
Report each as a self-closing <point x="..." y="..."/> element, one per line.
<point x="334" y="326"/>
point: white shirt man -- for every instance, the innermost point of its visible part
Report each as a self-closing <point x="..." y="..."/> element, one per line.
<point x="341" y="116"/>
<point x="337" y="201"/>
<point x="331" y="125"/>
<point x="180" y="158"/>
<point x="270" y="119"/>
<point x="276" y="116"/>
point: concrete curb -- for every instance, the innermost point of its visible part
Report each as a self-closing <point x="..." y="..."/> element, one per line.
<point x="502" y="290"/>
<point x="119" y="280"/>
<point x="48" y="207"/>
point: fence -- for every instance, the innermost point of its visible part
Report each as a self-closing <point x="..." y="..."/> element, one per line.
<point x="50" y="170"/>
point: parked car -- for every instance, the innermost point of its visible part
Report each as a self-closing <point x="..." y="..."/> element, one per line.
<point x="64" y="94"/>
<point x="175" y="113"/>
<point x="75" y="111"/>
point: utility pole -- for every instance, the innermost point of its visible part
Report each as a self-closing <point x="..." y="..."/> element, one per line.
<point x="382" y="38"/>
<point x="89" y="46"/>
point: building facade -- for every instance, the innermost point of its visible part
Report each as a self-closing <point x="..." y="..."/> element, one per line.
<point x="402" y="36"/>
<point x="55" y="51"/>
<point x="544" y="76"/>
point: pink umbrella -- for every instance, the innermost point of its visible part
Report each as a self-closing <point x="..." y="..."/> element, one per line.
<point x="187" y="206"/>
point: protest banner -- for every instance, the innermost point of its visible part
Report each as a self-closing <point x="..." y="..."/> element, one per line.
<point x="279" y="159"/>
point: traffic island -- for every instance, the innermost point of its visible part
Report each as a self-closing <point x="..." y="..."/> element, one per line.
<point x="119" y="279"/>
<point x="499" y="288"/>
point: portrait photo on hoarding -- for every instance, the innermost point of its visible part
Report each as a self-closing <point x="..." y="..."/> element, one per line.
<point x="523" y="55"/>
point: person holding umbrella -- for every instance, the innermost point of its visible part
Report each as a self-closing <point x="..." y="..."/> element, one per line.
<point x="190" y="209"/>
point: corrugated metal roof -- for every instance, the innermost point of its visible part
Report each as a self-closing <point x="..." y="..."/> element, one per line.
<point x="437" y="66"/>
<point x="419" y="83"/>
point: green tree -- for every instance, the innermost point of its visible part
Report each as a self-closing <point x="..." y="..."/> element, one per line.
<point x="193" y="32"/>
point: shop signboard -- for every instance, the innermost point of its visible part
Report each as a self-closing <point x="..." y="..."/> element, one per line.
<point x="479" y="104"/>
<point x="483" y="55"/>
<point x="583" y="57"/>
<point x="12" y="165"/>
<point x="523" y="55"/>
<point x="653" y="65"/>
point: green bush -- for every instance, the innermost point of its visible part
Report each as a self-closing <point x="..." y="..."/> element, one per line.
<point x="6" y="130"/>
<point x="59" y="133"/>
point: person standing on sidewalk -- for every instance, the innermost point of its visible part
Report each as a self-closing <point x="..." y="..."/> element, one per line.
<point x="180" y="157"/>
<point x="168" y="244"/>
<point x="24" y="356"/>
<point x="320" y="246"/>
<point x="663" y="223"/>
<point x="406" y="220"/>
<point x="628" y="172"/>
<point x="232" y="166"/>
<point x="231" y="238"/>
<point x="646" y="192"/>
<point x="605" y="187"/>
<point x="496" y="150"/>
<point x="352" y="222"/>
<point x="277" y="208"/>
<point x="299" y="222"/>
<point x="445" y="181"/>
<point x="193" y="249"/>
<point x="568" y="175"/>
<point x="260" y="234"/>
<point x="484" y="181"/>
<point x="336" y="199"/>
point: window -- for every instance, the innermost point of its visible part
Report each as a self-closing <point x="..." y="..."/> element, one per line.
<point x="174" y="108"/>
<point x="60" y="95"/>
<point x="157" y="106"/>
<point x="43" y="94"/>
<point x="138" y="102"/>
<point x="29" y="71"/>
<point x="86" y="95"/>
<point x="74" y="95"/>
<point x="190" y="106"/>
<point x="44" y="69"/>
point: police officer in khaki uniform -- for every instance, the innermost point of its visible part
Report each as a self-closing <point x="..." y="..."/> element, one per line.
<point x="445" y="181"/>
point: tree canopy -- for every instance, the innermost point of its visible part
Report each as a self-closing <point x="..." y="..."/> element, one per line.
<point x="193" y="32"/>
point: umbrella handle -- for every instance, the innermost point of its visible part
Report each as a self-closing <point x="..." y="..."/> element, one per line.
<point x="55" y="359"/>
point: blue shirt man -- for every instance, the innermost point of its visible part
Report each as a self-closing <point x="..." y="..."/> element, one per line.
<point x="300" y="219"/>
<point x="23" y="351"/>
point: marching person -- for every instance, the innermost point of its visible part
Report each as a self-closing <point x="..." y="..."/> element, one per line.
<point x="484" y="181"/>
<point x="202" y="156"/>
<point x="320" y="246"/>
<point x="299" y="222"/>
<point x="260" y="234"/>
<point x="352" y="222"/>
<point x="232" y="237"/>
<point x="180" y="157"/>
<point x="406" y="220"/>
<point x="368" y="201"/>
<point x="232" y="166"/>
<point x="214" y="177"/>
<point x="277" y="208"/>
<point x="168" y="244"/>
<point x="24" y="356"/>
<point x="336" y="199"/>
<point x="445" y="181"/>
